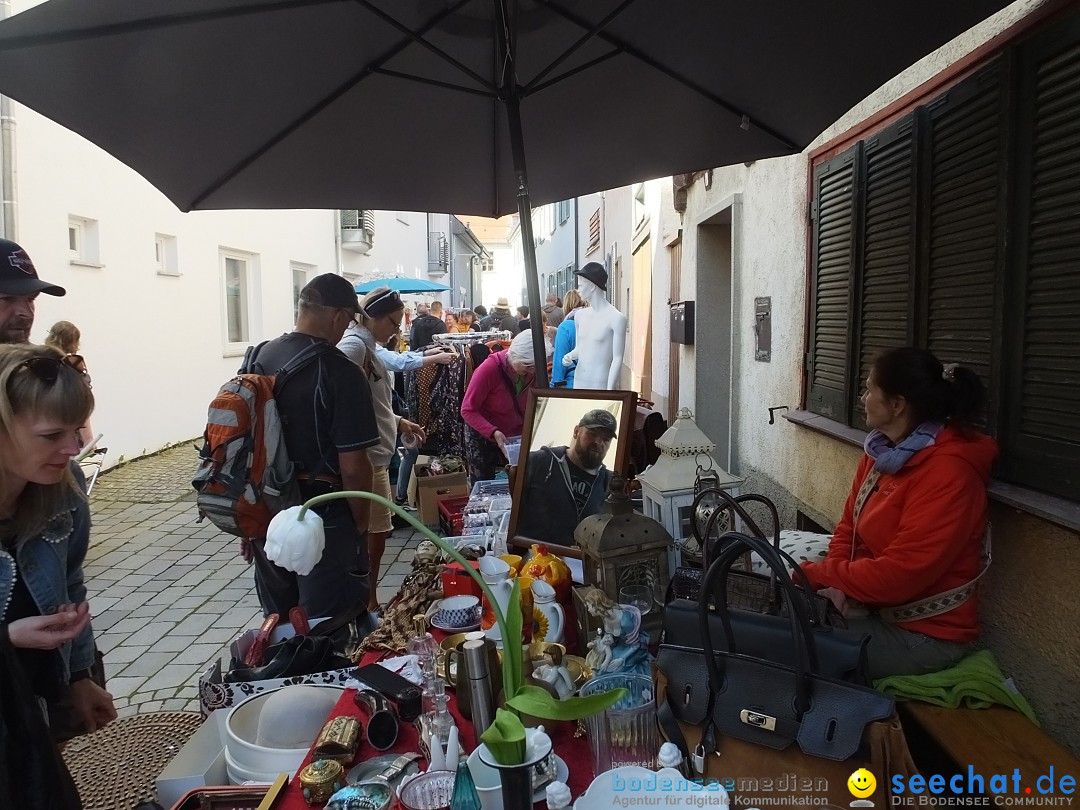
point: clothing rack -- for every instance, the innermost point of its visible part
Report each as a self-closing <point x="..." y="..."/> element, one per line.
<point x="465" y="338"/>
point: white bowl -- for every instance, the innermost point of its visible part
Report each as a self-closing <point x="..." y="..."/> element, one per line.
<point x="242" y="727"/>
<point x="239" y="774"/>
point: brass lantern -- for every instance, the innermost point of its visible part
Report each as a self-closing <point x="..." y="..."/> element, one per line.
<point x="622" y="547"/>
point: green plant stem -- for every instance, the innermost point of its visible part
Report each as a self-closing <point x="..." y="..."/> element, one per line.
<point x="509" y="685"/>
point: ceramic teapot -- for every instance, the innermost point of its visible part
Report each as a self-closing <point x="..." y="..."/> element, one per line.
<point x="552" y="619"/>
<point x="496" y="575"/>
<point x="551" y="569"/>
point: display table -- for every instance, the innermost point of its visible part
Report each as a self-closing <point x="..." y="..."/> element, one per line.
<point x="575" y="752"/>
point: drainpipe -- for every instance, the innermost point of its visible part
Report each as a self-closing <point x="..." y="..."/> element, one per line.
<point x="337" y="241"/>
<point x="9" y="224"/>
<point x="577" y="238"/>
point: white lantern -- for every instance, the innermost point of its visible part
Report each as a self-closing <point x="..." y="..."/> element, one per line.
<point x="667" y="487"/>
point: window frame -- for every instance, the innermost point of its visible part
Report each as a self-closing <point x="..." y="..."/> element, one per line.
<point x="246" y="296"/>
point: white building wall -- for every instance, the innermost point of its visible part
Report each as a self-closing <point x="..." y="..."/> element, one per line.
<point x="155" y="344"/>
<point x="399" y="249"/>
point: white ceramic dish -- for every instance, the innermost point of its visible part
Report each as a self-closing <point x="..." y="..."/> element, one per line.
<point x="242" y="725"/>
<point x="665" y="788"/>
<point x="446" y="628"/>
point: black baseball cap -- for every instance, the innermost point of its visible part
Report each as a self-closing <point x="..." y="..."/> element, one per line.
<point x="331" y="290"/>
<point x="594" y="272"/>
<point x="18" y="275"/>
<point x="599" y="419"/>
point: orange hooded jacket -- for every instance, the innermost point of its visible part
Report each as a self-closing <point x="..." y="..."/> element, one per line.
<point x="920" y="533"/>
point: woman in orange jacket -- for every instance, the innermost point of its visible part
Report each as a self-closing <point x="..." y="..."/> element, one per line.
<point x="909" y="545"/>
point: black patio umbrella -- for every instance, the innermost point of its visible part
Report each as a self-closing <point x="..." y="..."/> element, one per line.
<point x="435" y="105"/>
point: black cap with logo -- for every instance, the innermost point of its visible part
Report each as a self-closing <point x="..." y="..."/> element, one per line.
<point x="18" y="275"/>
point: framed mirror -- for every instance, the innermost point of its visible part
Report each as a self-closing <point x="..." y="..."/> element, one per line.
<point x="572" y="441"/>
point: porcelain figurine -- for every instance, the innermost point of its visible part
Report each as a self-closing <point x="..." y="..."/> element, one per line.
<point x="621" y="645"/>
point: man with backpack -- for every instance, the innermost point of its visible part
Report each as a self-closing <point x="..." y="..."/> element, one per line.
<point x="328" y="423"/>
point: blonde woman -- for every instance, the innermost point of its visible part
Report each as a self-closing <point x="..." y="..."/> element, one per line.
<point x="64" y="336"/>
<point x="45" y="530"/>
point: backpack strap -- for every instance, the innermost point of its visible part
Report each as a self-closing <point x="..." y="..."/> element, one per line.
<point x="299" y="361"/>
<point x="247" y="366"/>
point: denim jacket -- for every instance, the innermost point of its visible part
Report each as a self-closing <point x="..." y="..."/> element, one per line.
<point x="51" y="566"/>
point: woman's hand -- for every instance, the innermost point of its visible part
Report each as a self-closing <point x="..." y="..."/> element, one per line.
<point x="412" y="429"/>
<point x="50" y="632"/>
<point x="93" y="705"/>
<point x="500" y="439"/>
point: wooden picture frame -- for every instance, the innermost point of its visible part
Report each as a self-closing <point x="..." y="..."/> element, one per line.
<point x="550" y="417"/>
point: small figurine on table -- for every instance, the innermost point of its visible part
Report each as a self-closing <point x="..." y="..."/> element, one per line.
<point x="621" y="646"/>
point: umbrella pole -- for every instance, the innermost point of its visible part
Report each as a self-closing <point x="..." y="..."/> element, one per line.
<point x="528" y="246"/>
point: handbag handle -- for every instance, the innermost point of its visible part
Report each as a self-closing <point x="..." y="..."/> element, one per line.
<point x="730" y="505"/>
<point x="802" y="636"/>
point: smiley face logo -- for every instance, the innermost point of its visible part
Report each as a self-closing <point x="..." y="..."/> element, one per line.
<point x="861" y="783"/>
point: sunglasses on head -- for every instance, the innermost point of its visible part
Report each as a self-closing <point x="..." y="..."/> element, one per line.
<point x="47" y="369"/>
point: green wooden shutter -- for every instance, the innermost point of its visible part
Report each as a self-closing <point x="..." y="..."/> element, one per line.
<point x="834" y="214"/>
<point x="965" y="225"/>
<point x="884" y="285"/>
<point x="1043" y="440"/>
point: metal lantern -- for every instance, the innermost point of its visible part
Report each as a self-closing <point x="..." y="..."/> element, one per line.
<point x="621" y="547"/>
<point x="668" y="486"/>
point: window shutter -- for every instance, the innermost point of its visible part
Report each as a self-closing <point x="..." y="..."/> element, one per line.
<point x="888" y="248"/>
<point x="833" y="252"/>
<point x="1043" y="432"/>
<point x="965" y="221"/>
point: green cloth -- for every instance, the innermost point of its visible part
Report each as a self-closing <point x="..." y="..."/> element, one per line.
<point x="974" y="683"/>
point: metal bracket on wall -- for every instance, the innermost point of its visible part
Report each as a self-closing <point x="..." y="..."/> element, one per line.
<point x="772" y="413"/>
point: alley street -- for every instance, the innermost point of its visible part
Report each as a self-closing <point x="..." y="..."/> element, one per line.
<point x="169" y="594"/>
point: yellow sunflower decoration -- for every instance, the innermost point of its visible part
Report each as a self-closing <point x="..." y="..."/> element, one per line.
<point x="539" y="625"/>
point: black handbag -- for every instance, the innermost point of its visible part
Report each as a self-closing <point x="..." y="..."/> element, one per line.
<point x="766" y="679"/>
<point x="746" y="590"/>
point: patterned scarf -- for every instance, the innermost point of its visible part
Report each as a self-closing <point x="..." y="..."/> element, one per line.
<point x="890" y="459"/>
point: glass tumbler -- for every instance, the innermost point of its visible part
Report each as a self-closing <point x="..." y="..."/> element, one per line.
<point x="625" y="734"/>
<point x="428" y="791"/>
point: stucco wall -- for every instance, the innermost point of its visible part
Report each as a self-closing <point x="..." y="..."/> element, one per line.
<point x="154" y="344"/>
<point x="1030" y="601"/>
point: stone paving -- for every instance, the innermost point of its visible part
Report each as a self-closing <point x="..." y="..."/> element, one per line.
<point x="169" y="594"/>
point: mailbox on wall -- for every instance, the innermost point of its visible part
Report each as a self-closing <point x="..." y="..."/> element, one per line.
<point x="682" y="322"/>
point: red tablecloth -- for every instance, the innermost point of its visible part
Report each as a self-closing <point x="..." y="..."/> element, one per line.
<point x="575" y="752"/>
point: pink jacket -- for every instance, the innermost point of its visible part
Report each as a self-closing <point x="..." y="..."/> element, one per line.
<point x="489" y="402"/>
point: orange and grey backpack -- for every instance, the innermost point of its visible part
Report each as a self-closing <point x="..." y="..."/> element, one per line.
<point x="245" y="476"/>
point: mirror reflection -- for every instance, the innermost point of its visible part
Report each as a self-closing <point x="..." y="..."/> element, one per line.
<point x="573" y="441"/>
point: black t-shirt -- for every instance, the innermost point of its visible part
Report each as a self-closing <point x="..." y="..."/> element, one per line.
<point x="581" y="484"/>
<point x="325" y="406"/>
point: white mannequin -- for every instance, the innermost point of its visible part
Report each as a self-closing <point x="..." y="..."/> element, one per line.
<point x="601" y="340"/>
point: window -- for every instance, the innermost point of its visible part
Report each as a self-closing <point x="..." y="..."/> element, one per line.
<point x="165" y="255"/>
<point x="956" y="229"/>
<point x="237" y="275"/>
<point x="301" y="275"/>
<point x="83" y="241"/>
<point x="564" y="210"/>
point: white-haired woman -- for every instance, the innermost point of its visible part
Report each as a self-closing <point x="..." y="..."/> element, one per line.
<point x="45" y="530"/>
<point x="494" y="405"/>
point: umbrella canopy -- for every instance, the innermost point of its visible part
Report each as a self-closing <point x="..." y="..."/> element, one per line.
<point x="402" y="285"/>
<point x="435" y="105"/>
<point x="398" y="104"/>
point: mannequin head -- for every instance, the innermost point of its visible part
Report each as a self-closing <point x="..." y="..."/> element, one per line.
<point x="589" y="291"/>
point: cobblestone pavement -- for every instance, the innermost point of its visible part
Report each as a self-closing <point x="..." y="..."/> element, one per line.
<point x="169" y="594"/>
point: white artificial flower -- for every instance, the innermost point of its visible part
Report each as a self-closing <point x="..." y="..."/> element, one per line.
<point x="293" y="543"/>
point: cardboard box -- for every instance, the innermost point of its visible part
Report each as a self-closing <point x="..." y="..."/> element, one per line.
<point x="419" y="468"/>
<point x="215" y="694"/>
<point x="430" y="489"/>
<point x="200" y="762"/>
